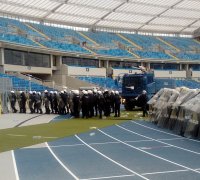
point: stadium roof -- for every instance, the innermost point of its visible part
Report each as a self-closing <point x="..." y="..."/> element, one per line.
<point x="166" y="16"/>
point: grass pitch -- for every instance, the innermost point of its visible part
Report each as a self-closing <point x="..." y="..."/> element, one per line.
<point x="19" y="137"/>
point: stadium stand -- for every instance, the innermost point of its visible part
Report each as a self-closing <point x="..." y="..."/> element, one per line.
<point x="64" y="46"/>
<point x="17" y="39"/>
<point x="114" y="52"/>
<point x="106" y="39"/>
<point x="182" y="43"/>
<point x="56" y="33"/>
<point x="107" y="82"/>
<point x="22" y="84"/>
<point x="150" y="54"/>
<point x="188" y="56"/>
<point x="147" y="42"/>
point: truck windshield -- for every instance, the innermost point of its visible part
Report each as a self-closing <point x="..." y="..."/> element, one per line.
<point x="133" y="81"/>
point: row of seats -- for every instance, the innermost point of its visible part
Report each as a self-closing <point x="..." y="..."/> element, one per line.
<point x="57" y="33"/>
<point x="64" y="46"/>
<point x="17" y="39"/>
<point x="173" y="83"/>
<point x="22" y="84"/>
<point x="5" y="22"/>
<point x="182" y="43"/>
<point x="107" y="82"/>
<point x="106" y="39"/>
<point x="188" y="56"/>
<point x="150" y="54"/>
<point x="114" y="52"/>
<point x="148" y="43"/>
<point x="188" y="83"/>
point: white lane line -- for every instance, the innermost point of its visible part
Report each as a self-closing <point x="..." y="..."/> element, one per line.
<point x="108" y="177"/>
<point x="163" y="131"/>
<point x="18" y="135"/>
<point x="15" y="165"/>
<point x="154" y="147"/>
<point x="61" y="163"/>
<point x="111" y="142"/>
<point x="131" y="175"/>
<point x="113" y="161"/>
<point x="146" y="152"/>
<point x="184" y="149"/>
<point x="166" y="172"/>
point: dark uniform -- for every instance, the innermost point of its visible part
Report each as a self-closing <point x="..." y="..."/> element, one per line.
<point x="13" y="100"/>
<point x="51" y="102"/>
<point x="95" y="98"/>
<point x="38" y="101"/>
<point x="101" y="104"/>
<point x="46" y="102"/>
<point x="55" y="103"/>
<point x="76" y="105"/>
<point x="31" y="102"/>
<point x="142" y="101"/>
<point x="85" y="105"/>
<point x="107" y="104"/>
<point x="22" y="103"/>
<point x="117" y="103"/>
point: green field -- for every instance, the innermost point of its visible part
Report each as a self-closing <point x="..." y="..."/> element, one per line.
<point x="19" y="137"/>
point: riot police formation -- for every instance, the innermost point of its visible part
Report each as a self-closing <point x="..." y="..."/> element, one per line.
<point x="84" y="104"/>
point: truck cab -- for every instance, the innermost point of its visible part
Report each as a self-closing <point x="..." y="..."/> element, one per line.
<point x="133" y="85"/>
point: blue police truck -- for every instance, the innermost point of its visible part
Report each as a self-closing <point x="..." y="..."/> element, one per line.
<point x="133" y="85"/>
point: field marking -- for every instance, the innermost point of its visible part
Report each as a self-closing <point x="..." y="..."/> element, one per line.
<point x="163" y="131"/>
<point x="111" y="142"/>
<point x="17" y="135"/>
<point x="158" y="157"/>
<point x="178" y="147"/>
<point x="61" y="163"/>
<point x="113" y="161"/>
<point x="15" y="165"/>
<point x="158" y="140"/>
<point x="151" y="173"/>
<point x="154" y="147"/>
<point x="108" y="177"/>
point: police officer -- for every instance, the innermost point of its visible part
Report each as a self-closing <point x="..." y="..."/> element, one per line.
<point x="13" y="100"/>
<point x="61" y="103"/>
<point x="51" y="101"/>
<point x="112" y="101"/>
<point x="66" y="101"/>
<point x="22" y="102"/>
<point x="46" y="102"/>
<point x="38" y="99"/>
<point x="107" y="103"/>
<point x="91" y="103"/>
<point x="95" y="97"/>
<point x="55" y="102"/>
<point x="31" y="101"/>
<point x="101" y="103"/>
<point x="117" y="103"/>
<point x="76" y="104"/>
<point x="142" y="100"/>
<point x="85" y="104"/>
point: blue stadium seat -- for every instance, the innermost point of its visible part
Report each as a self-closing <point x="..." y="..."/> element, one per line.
<point x="150" y="54"/>
<point x="64" y="46"/>
<point x="22" y="84"/>
<point x="107" y="82"/>
<point x="114" y="52"/>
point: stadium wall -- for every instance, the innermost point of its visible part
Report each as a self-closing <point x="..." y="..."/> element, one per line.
<point x="117" y="72"/>
<point x="169" y="74"/>
<point x="85" y="71"/>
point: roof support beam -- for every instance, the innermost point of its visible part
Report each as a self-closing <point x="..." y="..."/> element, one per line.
<point x="189" y="25"/>
<point x="113" y="10"/>
<point x="171" y="7"/>
<point x="54" y="9"/>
